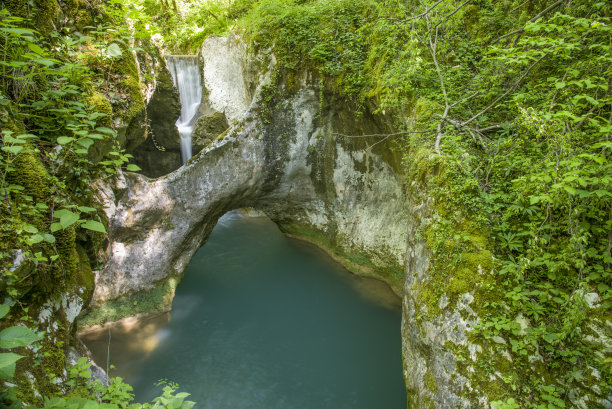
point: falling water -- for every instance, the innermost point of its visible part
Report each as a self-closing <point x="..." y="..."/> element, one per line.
<point x="186" y="75"/>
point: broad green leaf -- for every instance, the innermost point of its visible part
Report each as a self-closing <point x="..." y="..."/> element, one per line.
<point x="90" y="404"/>
<point x="4" y="309"/>
<point x="13" y="337"/>
<point x="188" y="405"/>
<point x="55" y="227"/>
<point x="7" y="364"/>
<point x="47" y="62"/>
<point x="35" y="239"/>
<point x="108" y="131"/>
<point x="114" y="51"/>
<point x="66" y="217"/>
<point x="132" y="168"/>
<point x="94" y="225"/>
<point x="63" y="140"/>
<point x="49" y="238"/>
<point x="86" y="209"/>
<point x="36" y="49"/>
<point x="16" y="31"/>
<point x="30" y="229"/>
<point x="12" y="149"/>
<point x="569" y="189"/>
<point x="85" y="142"/>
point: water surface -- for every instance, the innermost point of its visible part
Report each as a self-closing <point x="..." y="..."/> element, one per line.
<point x="262" y="321"/>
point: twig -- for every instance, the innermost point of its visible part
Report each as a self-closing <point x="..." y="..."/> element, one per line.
<point x="376" y="143"/>
<point x="489" y="128"/>
<point x="433" y="45"/>
<point x="520" y="30"/>
<point x="108" y="351"/>
<point x="405" y="20"/>
<point x="465" y="99"/>
<point x="509" y="90"/>
<point x="445" y="18"/>
<point x="378" y="134"/>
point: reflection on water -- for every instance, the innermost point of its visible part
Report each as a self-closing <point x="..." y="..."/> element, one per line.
<point x="264" y="322"/>
<point x="128" y="342"/>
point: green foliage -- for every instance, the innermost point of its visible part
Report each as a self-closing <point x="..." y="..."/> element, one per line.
<point x="181" y="30"/>
<point x="86" y="393"/>
<point x="57" y="140"/>
<point x="13" y="337"/>
<point x="319" y="35"/>
<point x="525" y="148"/>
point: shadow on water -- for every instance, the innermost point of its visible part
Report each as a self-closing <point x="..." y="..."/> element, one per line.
<point x="262" y="321"/>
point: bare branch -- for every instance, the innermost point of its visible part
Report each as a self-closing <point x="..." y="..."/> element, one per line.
<point x="509" y="90"/>
<point x="405" y="20"/>
<point x="445" y="18"/>
<point x="433" y="48"/>
<point x="378" y="134"/>
<point x="489" y="128"/>
<point x="464" y="99"/>
<point x="520" y="30"/>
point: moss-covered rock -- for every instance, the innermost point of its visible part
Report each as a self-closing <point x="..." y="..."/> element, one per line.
<point x="158" y="299"/>
<point x="45" y="12"/>
<point x="160" y="153"/>
<point x="131" y="113"/>
<point x="207" y="128"/>
<point x="99" y="103"/>
<point x="163" y="110"/>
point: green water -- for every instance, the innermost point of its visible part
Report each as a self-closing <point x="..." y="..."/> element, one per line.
<point x="262" y="321"/>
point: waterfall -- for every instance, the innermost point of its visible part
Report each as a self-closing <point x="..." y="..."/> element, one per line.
<point x="186" y="75"/>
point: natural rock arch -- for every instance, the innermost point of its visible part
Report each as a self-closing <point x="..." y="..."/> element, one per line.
<point x="292" y="166"/>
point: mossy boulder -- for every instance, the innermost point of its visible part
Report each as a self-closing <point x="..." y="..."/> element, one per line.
<point x="45" y="12"/>
<point x="79" y="13"/>
<point x="207" y="128"/>
<point x="163" y="110"/>
<point x="99" y="103"/>
<point x="160" y="153"/>
<point x="131" y="113"/>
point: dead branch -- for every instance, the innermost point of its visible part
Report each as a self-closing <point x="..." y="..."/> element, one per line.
<point x="405" y="20"/>
<point x="433" y="49"/>
<point x="534" y="18"/>
<point x="508" y="91"/>
<point x="445" y="18"/>
<point x="489" y="128"/>
<point x="462" y="100"/>
<point x="379" y="134"/>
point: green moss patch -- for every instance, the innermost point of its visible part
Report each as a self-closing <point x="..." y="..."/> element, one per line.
<point x="159" y="299"/>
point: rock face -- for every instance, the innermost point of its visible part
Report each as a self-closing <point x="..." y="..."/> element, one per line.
<point x="160" y="153"/>
<point x="230" y="77"/>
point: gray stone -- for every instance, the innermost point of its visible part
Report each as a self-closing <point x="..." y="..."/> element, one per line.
<point x="160" y="153"/>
